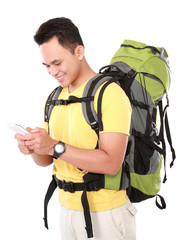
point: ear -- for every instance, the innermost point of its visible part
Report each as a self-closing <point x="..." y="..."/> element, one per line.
<point x="80" y="52"/>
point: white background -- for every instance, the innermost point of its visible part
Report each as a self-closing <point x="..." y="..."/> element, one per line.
<point x="25" y="86"/>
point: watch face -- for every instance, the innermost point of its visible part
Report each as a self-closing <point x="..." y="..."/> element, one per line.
<point x="59" y="148"/>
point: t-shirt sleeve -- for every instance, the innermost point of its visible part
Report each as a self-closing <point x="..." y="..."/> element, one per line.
<point x="45" y="126"/>
<point x="116" y="110"/>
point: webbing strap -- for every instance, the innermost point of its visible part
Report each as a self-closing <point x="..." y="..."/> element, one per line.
<point x="71" y="99"/>
<point x="147" y="140"/>
<point x="139" y="104"/>
<point x="163" y="203"/>
<point x="168" y="134"/>
<point x="87" y="215"/>
<point x="54" y="101"/>
<point x="165" y="122"/>
<point x="161" y="137"/>
<point x="92" y="182"/>
<point x="52" y="187"/>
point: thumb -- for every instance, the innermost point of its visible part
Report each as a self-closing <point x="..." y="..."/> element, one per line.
<point x="29" y="129"/>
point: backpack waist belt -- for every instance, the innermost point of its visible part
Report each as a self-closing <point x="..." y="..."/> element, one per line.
<point x="92" y="182"/>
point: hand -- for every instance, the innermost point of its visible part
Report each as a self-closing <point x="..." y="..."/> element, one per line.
<point x="39" y="141"/>
<point x="21" y="143"/>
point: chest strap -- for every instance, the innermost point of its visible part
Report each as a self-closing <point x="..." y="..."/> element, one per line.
<point x="92" y="182"/>
<point x="70" y="100"/>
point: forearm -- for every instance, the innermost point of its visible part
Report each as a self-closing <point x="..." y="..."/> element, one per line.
<point x="106" y="160"/>
<point x="42" y="160"/>
<point x="96" y="160"/>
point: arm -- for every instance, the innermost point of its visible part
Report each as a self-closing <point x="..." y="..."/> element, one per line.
<point x="106" y="160"/>
<point x="42" y="160"/>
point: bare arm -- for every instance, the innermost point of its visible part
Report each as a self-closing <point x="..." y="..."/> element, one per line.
<point x="42" y="160"/>
<point x="106" y="160"/>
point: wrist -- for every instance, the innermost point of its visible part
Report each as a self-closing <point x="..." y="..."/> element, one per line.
<point x="51" y="150"/>
<point x="58" y="149"/>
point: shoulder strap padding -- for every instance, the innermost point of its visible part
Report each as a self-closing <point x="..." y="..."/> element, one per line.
<point x="48" y="106"/>
<point x="90" y="90"/>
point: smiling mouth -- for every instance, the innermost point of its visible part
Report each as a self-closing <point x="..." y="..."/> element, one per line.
<point x="60" y="79"/>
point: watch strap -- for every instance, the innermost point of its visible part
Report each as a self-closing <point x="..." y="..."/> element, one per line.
<point x="56" y="155"/>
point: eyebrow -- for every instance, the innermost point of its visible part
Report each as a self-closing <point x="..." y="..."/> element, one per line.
<point x="53" y="62"/>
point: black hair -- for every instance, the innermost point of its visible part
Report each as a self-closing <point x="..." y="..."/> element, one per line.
<point x="64" y="29"/>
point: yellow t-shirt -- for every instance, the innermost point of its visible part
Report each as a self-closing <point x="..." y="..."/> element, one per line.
<point x="68" y="124"/>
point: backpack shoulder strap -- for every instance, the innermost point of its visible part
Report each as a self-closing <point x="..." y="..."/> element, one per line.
<point x="110" y="73"/>
<point x="88" y="107"/>
<point x="49" y="106"/>
<point x="99" y="112"/>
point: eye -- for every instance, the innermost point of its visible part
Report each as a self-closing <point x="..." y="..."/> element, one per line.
<point x="57" y="64"/>
<point x="47" y="66"/>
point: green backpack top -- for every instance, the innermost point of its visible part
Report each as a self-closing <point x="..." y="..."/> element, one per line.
<point x="149" y="60"/>
<point x="143" y="73"/>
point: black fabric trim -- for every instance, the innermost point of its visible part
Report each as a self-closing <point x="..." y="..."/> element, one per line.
<point x="147" y="140"/>
<point x="136" y="195"/>
<point x="153" y="49"/>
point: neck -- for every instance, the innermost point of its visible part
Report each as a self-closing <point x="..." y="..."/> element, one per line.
<point x="84" y="75"/>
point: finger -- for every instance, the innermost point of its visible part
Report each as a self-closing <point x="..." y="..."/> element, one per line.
<point x="30" y="142"/>
<point x="30" y="137"/>
<point x="19" y="137"/>
<point x="21" y="142"/>
<point x="25" y="150"/>
<point x="31" y="147"/>
<point x="36" y="130"/>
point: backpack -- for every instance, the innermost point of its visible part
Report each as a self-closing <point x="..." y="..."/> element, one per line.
<point x="143" y="73"/>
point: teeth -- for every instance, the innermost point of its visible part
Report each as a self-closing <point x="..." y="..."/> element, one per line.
<point x="59" y="78"/>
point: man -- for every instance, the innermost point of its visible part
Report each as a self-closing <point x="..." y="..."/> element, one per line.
<point x="113" y="216"/>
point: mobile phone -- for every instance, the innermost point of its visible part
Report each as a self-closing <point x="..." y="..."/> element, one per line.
<point x="18" y="128"/>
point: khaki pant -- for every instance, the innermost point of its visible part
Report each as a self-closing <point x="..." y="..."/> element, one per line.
<point x="115" y="224"/>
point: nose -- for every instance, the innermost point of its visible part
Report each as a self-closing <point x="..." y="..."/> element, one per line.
<point x="53" y="71"/>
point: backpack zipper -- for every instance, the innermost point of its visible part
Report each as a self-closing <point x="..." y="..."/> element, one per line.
<point x="153" y="49"/>
<point x="154" y="77"/>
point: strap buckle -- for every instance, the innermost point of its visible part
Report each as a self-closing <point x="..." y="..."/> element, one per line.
<point x="59" y="102"/>
<point x="68" y="186"/>
<point x="95" y="126"/>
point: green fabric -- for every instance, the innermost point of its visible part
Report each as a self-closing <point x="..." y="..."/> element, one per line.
<point x="144" y="60"/>
<point x="148" y="184"/>
<point x="153" y="87"/>
<point x="113" y="182"/>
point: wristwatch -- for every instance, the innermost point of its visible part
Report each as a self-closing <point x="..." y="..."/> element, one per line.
<point x="59" y="148"/>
